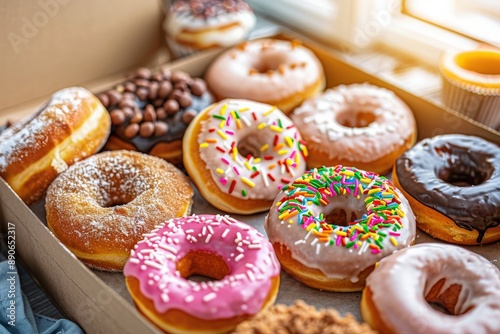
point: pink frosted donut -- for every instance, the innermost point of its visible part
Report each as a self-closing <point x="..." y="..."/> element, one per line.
<point x="236" y="255"/>
<point x="359" y="125"/>
<point x="271" y="71"/>
<point x="398" y="292"/>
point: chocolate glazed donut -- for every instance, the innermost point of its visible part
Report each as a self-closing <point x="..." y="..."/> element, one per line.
<point x="459" y="177"/>
<point x="151" y="111"/>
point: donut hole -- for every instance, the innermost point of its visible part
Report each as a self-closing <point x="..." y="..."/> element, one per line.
<point x="118" y="201"/>
<point x="202" y="266"/>
<point x="340" y="217"/>
<point x="249" y="146"/>
<point x="444" y="301"/>
<point x="463" y="168"/>
<point x="269" y="62"/>
<point x="118" y="194"/>
<point x="355" y="118"/>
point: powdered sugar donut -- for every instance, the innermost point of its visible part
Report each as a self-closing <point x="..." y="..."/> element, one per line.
<point x="70" y="127"/>
<point x="100" y="207"/>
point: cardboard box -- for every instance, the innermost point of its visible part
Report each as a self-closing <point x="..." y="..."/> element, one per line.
<point x="82" y="294"/>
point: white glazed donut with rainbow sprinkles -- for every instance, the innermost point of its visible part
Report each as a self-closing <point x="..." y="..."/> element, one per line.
<point x="331" y="225"/>
<point x="236" y="255"/>
<point x="240" y="152"/>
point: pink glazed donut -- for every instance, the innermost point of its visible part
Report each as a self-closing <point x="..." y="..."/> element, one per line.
<point x="276" y="72"/>
<point x="358" y="125"/>
<point x="238" y="257"/>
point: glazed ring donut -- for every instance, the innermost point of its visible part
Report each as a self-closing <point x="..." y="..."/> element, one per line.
<point x="358" y="125"/>
<point x="276" y="72"/>
<point x="72" y="126"/>
<point x="150" y="111"/>
<point x="331" y="225"/>
<point x="100" y="207"/>
<point x="453" y="185"/>
<point x="466" y="285"/>
<point x="236" y="255"/>
<point x="238" y="152"/>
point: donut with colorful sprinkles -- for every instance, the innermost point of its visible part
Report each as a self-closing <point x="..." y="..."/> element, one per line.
<point x="239" y="153"/>
<point x="239" y="258"/>
<point x="331" y="226"/>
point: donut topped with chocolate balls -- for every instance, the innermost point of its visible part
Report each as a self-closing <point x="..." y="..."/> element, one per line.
<point x="150" y="111"/>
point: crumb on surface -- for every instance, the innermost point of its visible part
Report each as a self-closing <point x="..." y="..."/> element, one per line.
<point x="302" y="318"/>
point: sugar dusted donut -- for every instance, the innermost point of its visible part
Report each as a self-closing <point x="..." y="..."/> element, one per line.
<point x="100" y="207"/>
<point x="358" y="125"/>
<point x="453" y="184"/>
<point x="331" y="225"/>
<point x="71" y="126"/>
<point x="398" y="292"/>
<point x="276" y="72"/>
<point x="236" y="255"/>
<point x="238" y="152"/>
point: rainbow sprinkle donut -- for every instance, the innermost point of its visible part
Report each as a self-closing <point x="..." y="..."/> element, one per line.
<point x="239" y="153"/>
<point x="335" y="223"/>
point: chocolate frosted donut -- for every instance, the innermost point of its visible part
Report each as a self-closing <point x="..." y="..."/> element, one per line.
<point x="151" y="111"/>
<point x="452" y="183"/>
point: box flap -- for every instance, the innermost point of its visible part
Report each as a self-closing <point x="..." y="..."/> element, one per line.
<point x="50" y="44"/>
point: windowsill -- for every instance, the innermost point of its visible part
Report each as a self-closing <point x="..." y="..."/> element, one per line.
<point x="406" y="54"/>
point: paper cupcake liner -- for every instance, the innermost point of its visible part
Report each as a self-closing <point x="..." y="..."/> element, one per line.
<point x="478" y="103"/>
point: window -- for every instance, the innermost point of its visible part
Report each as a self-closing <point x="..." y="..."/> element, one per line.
<point x="341" y="22"/>
<point x="478" y="19"/>
<point x="422" y="28"/>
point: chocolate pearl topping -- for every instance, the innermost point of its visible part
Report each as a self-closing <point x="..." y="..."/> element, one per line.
<point x="160" y="128"/>
<point x="188" y="116"/>
<point x="149" y="105"/>
<point x="117" y="116"/>
<point x="147" y="129"/>
<point x="131" y="130"/>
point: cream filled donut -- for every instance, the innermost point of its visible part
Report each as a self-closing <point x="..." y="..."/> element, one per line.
<point x="358" y="125"/>
<point x="277" y="72"/>
<point x="196" y="25"/>
<point x="235" y="254"/>
<point x="71" y="126"/>
<point x="238" y="152"/>
<point x="331" y="225"/>
<point x="398" y="292"/>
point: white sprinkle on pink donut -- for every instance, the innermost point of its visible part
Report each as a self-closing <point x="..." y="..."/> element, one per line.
<point x="157" y="258"/>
